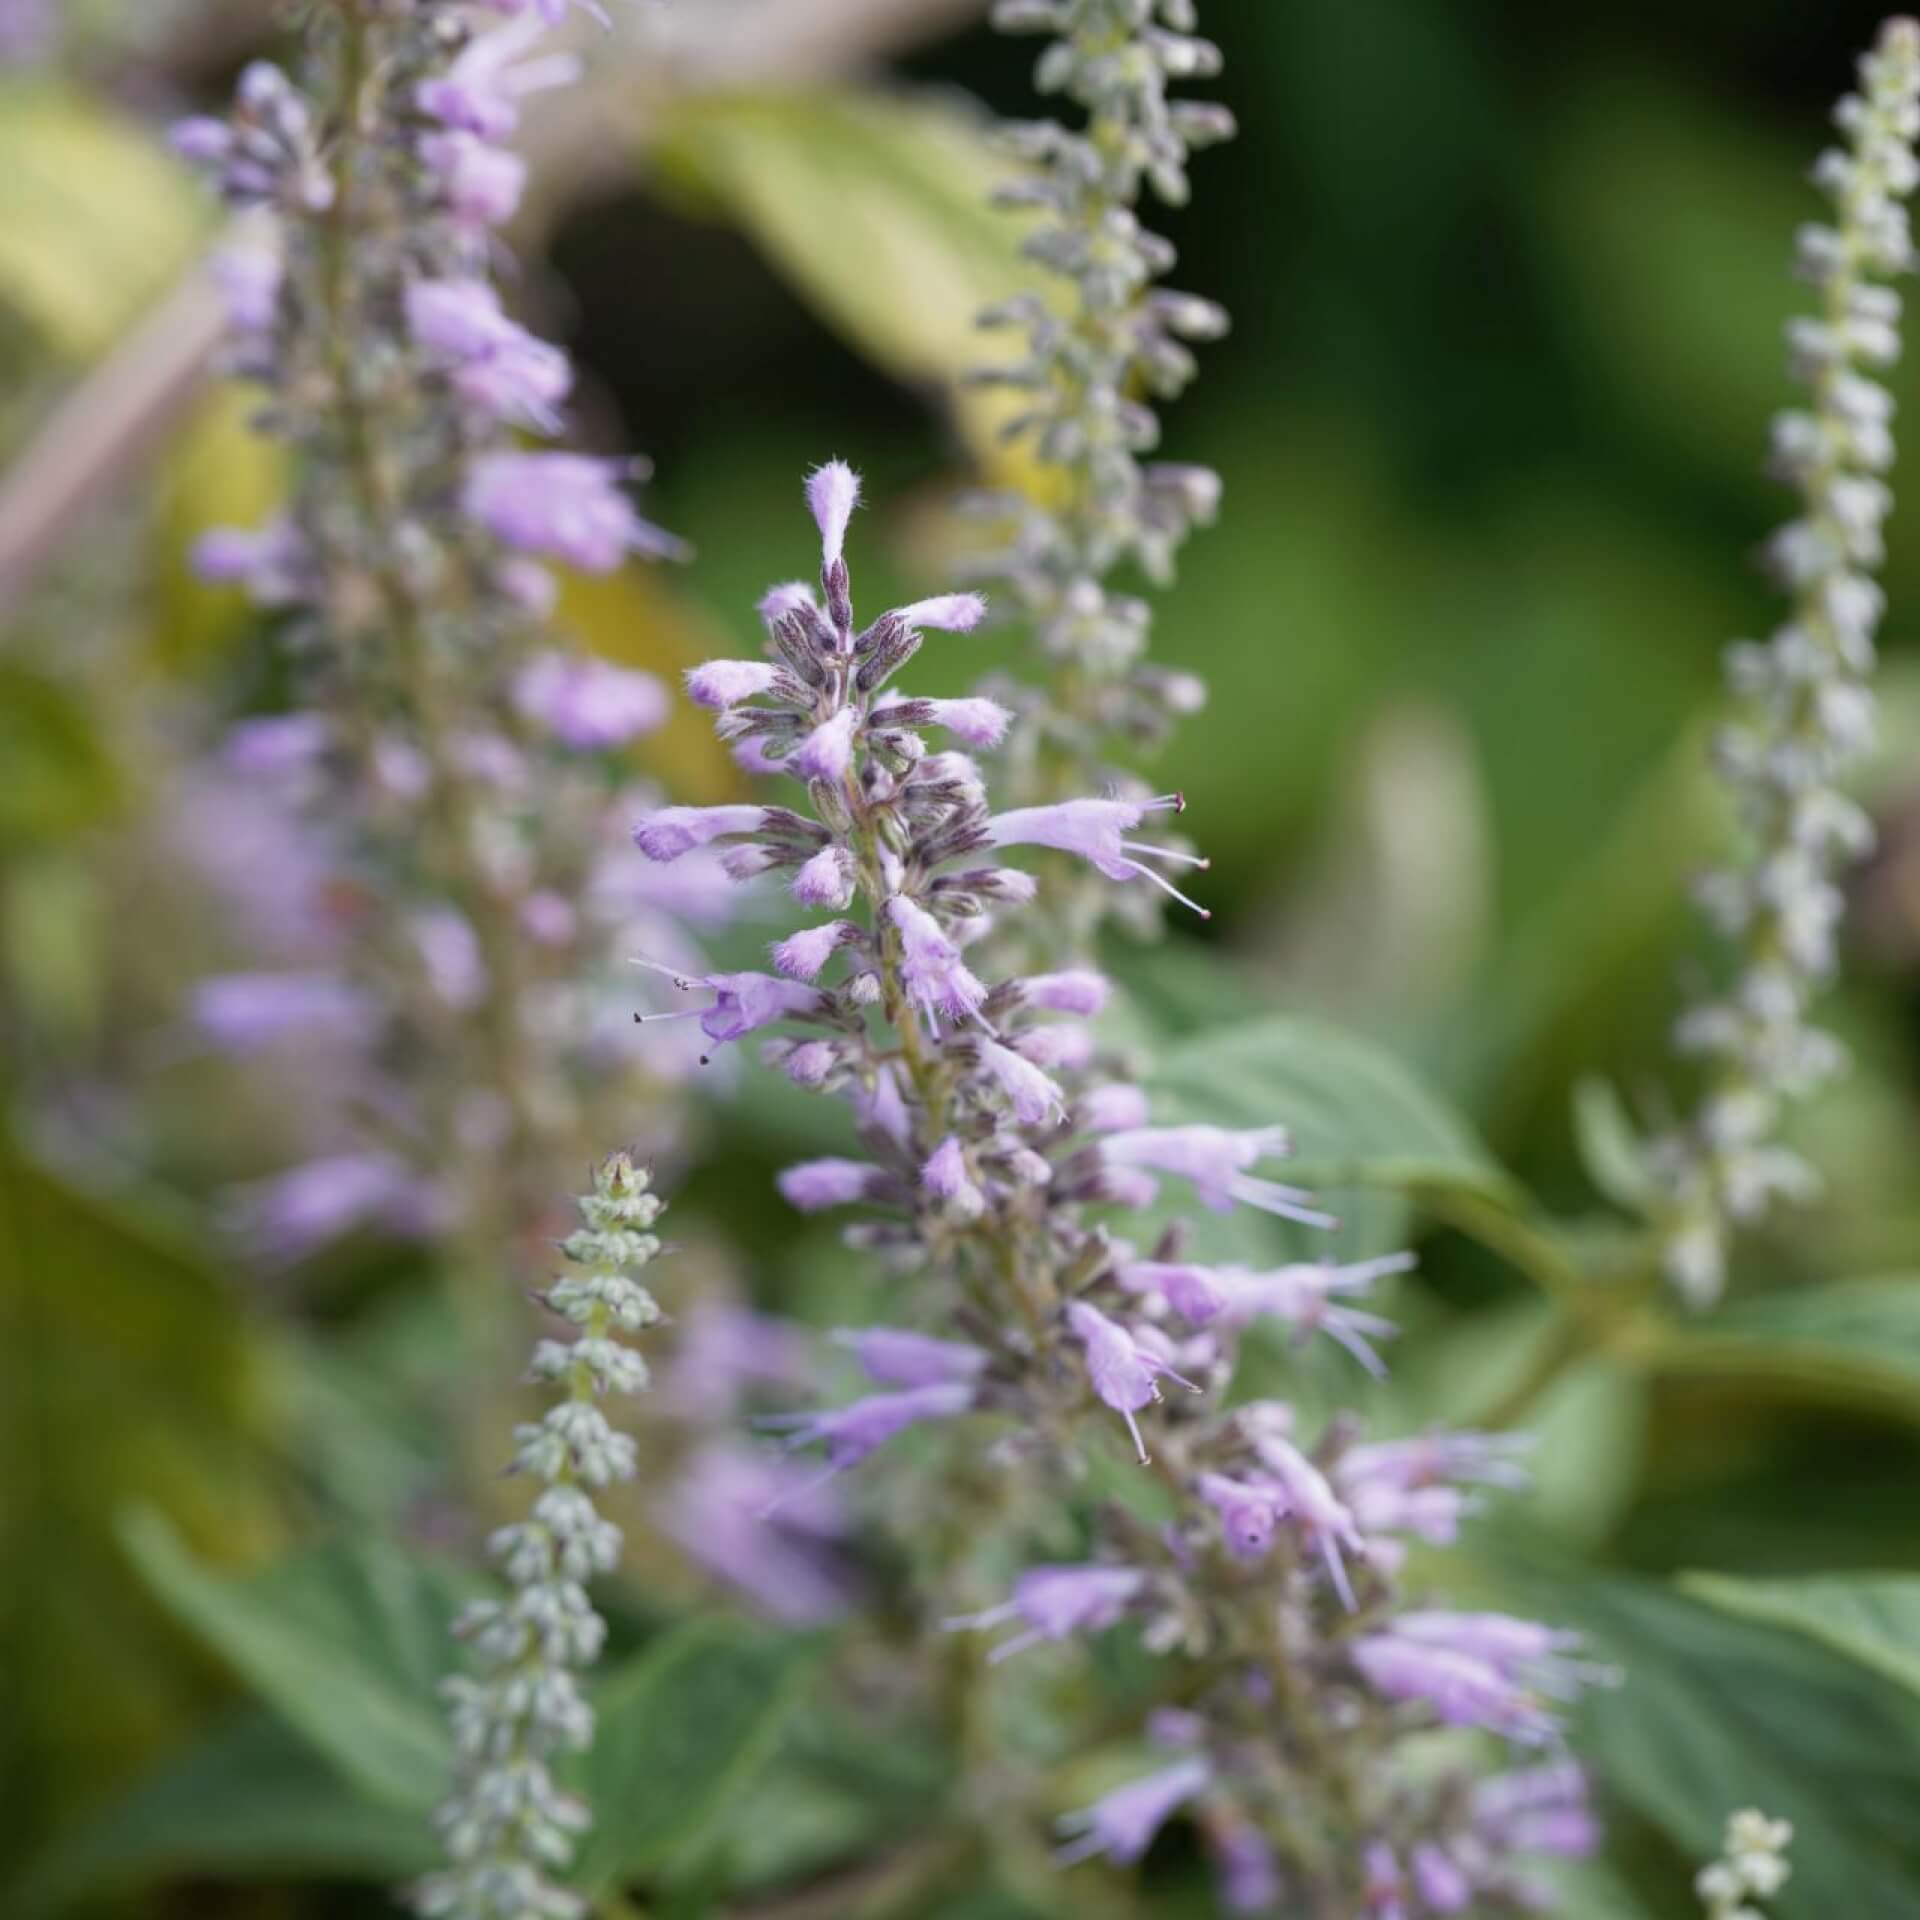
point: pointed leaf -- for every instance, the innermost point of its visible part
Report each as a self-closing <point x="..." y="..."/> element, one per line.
<point x="681" y="1731"/>
<point x="253" y="1801"/>
<point x="347" y="1643"/>
<point x="1852" y="1342"/>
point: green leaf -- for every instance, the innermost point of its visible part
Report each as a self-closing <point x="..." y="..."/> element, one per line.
<point x="1366" y="1133"/>
<point x="875" y="207"/>
<point x="252" y="1801"/>
<point x="59" y="775"/>
<point x="681" y="1730"/>
<point x="127" y="1372"/>
<point x="1871" y="1618"/>
<point x="1719" y="1712"/>
<point x="347" y="1642"/>
<point x="1609" y="1145"/>
<point x="95" y="218"/>
<point x="1854" y="1343"/>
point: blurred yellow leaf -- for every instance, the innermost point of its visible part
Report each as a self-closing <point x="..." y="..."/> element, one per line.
<point x="219" y="473"/>
<point x="95" y="218"/>
<point x="634" y="617"/>
<point x="876" y="208"/>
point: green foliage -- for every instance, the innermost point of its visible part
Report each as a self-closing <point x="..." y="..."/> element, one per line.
<point x="346" y="1643"/>
<point x="876" y="208"/>
<point x="252" y="1801"/>
<point x="59" y="776"/>
<point x="1871" y="1619"/>
<point x="683" y="1730"/>
<point x="1855" y="1343"/>
<point x="1720" y="1711"/>
<point x="125" y="1373"/>
<point x="1365" y="1131"/>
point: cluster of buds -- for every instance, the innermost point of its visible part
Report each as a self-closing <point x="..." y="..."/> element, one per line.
<point x="1806" y="694"/>
<point x="1752" y="1866"/>
<point x="997" y="1136"/>
<point x="507" y="1826"/>
<point x="1090" y="367"/>
<point x="444" y="794"/>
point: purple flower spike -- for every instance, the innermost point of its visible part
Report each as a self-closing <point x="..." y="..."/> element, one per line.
<point x="1124" y="1371"/>
<point x="827" y="752"/>
<point x="1248" y="1873"/>
<point x="498" y="367"/>
<point x="1078" y="991"/>
<point x="589" y="704"/>
<point x="482" y="184"/>
<point x="833" y="491"/>
<point x="294" y="1214"/>
<point x="827" y="880"/>
<point x="851" y="1433"/>
<point x="979" y="722"/>
<point x="249" y="281"/>
<point x="565" y="505"/>
<point x="812" y="1186"/>
<point x="719" y="684"/>
<point x="931" y="968"/>
<point x="479" y="93"/>
<point x="245" y="1012"/>
<point x="270" y="561"/>
<point x="1054" y="1603"/>
<point x="1215" y="1161"/>
<point x="1123" y="1823"/>
<point x="1458" y="1689"/>
<point x="1386" y="1891"/>
<point x="1096" y="830"/>
<point x="949" y="612"/>
<point x="946" y="1177"/>
<point x="1114" y="1109"/>
<point x="1324" y="1521"/>
<point x="1441" y="1880"/>
<point x="743" y="1002"/>
<point x="802" y="955"/>
<point x="1035" y="1098"/>
<point x="1248" y="1514"/>
<point x="671" y="831"/>
<point x="898" y="1357"/>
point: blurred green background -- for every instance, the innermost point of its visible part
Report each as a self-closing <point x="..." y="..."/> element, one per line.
<point x="1507" y="285"/>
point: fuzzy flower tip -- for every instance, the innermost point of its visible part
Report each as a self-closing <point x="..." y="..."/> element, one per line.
<point x="671" y="831"/>
<point x="931" y="968"/>
<point x="833" y="491"/>
<point x="719" y="684"/>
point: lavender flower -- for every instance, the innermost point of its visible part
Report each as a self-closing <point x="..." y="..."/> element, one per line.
<point x="987" y="1134"/>
<point x="1122" y="1825"/>
<point x="1054" y="1603"/>
<point x="1807" y="699"/>
<point x="433" y="771"/>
